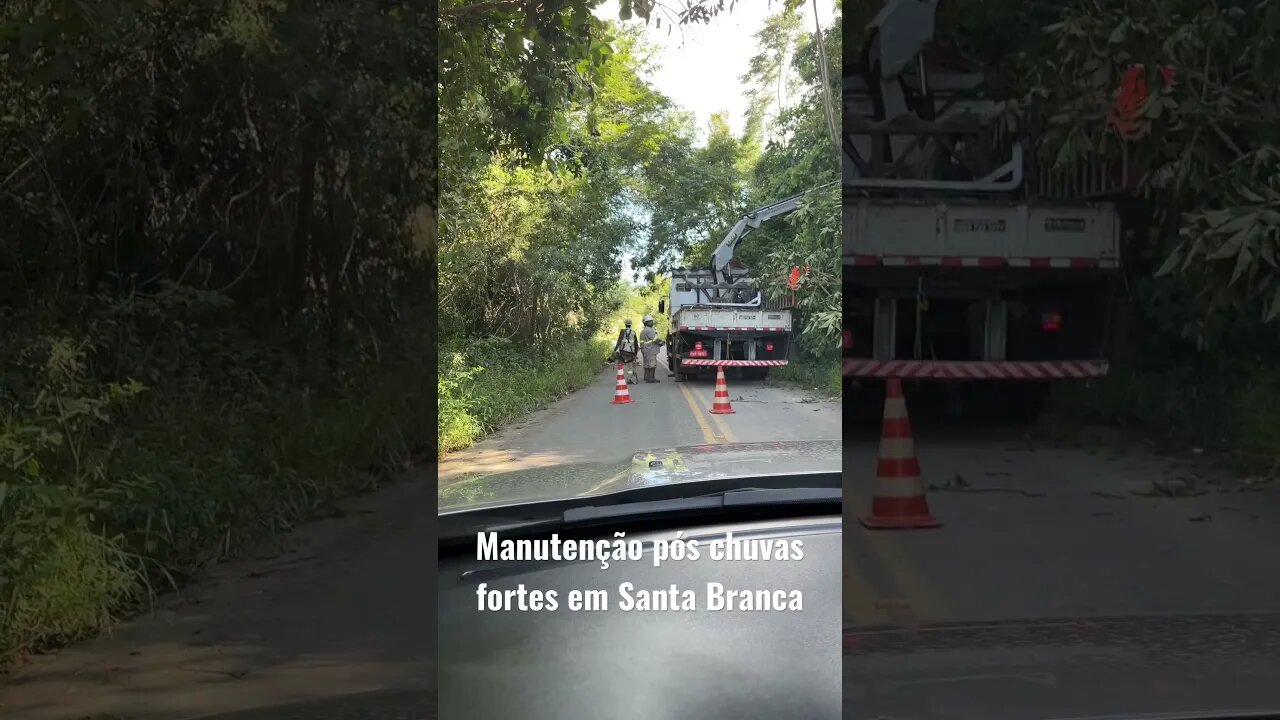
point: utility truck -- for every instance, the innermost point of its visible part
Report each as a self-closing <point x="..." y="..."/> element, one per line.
<point x="720" y="317"/>
<point x="964" y="260"/>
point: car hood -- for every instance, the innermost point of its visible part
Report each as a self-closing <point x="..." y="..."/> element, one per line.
<point x="644" y="468"/>
<point x="1150" y="667"/>
<point x="1165" y="667"/>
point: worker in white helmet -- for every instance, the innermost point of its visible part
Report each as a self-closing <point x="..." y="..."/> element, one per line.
<point x="625" y="349"/>
<point x="649" y="346"/>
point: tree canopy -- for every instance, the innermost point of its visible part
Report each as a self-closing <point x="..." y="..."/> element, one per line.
<point x="216" y="293"/>
<point x="538" y="210"/>
<point x="1201" y="160"/>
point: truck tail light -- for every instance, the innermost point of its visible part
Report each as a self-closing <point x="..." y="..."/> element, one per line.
<point x="768" y="347"/>
<point x="846" y="340"/>
<point x="1051" y="321"/>
<point x="698" y="351"/>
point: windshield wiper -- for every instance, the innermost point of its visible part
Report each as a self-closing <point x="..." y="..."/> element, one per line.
<point x="748" y="500"/>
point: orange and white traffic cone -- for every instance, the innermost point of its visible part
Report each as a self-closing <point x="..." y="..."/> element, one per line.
<point x="621" y="396"/>
<point x="721" y="406"/>
<point x="899" y="501"/>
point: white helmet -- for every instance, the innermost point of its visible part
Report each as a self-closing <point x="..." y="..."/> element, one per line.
<point x="627" y="322"/>
<point x="648" y="319"/>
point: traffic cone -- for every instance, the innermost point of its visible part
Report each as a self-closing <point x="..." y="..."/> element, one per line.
<point x="621" y="396"/>
<point x="899" y="501"/>
<point x="721" y="404"/>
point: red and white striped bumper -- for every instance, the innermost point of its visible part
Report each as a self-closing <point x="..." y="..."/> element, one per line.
<point x="705" y="328"/>
<point x="733" y="363"/>
<point x="1073" y="263"/>
<point x="928" y="370"/>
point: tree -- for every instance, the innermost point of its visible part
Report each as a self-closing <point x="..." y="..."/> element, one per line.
<point x="797" y="158"/>
<point x="534" y="243"/>
<point x="694" y="194"/>
<point x="1202" y="165"/>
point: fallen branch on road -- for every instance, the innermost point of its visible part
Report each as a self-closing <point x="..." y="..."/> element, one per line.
<point x="1251" y="485"/>
<point x="970" y="488"/>
<point x="1178" y="488"/>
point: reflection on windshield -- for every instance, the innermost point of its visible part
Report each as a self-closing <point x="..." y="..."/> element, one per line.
<point x="646" y="468"/>
<point x="526" y="485"/>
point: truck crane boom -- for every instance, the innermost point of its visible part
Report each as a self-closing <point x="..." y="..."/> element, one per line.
<point x="915" y="118"/>
<point x="722" y="321"/>
<point x="723" y="254"/>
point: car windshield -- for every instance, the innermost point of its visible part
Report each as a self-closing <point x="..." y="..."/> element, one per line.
<point x="680" y="469"/>
<point x="636" y="308"/>
<point x="237" y="237"/>
<point x="893" y="360"/>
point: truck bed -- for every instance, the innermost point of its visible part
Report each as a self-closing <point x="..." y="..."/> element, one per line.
<point x="737" y="320"/>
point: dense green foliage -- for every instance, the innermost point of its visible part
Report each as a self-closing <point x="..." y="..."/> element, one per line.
<point x="531" y="229"/>
<point x="546" y="186"/>
<point x="216" y="233"/>
<point x="1202" y="164"/>
<point x="802" y="153"/>
<point x="1203" y="217"/>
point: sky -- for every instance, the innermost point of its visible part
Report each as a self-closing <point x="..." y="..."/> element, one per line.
<point x="700" y="64"/>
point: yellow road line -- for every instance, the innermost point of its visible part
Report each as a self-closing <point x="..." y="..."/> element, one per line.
<point x="707" y="435"/>
<point x="925" y="602"/>
<point x="605" y="482"/>
<point x="720" y="423"/>
<point x="859" y="598"/>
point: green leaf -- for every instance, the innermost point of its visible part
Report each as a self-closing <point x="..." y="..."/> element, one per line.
<point x="1267" y="252"/>
<point x="1243" y="261"/>
<point x="1171" y="262"/>
<point x="1240" y="221"/>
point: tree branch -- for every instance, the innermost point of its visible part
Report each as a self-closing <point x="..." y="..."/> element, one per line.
<point x="486" y="6"/>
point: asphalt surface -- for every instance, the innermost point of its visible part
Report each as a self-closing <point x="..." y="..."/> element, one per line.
<point x="1038" y="529"/>
<point x="1088" y="577"/>
<point x="342" y="612"/>
<point x="586" y="427"/>
<point x="1034" y="532"/>
<point x="1184" y="667"/>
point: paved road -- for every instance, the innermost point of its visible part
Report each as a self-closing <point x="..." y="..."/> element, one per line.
<point x="1083" y="541"/>
<point x="347" y="606"/>
<point x="341" y="607"/>
<point x="586" y="427"/>
<point x="1057" y="587"/>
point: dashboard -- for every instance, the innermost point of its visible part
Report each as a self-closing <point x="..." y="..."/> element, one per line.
<point x="754" y="632"/>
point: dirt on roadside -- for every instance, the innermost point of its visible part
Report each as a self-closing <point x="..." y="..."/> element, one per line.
<point x="342" y="606"/>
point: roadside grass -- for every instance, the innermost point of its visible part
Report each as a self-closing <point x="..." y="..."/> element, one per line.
<point x="1234" y="415"/>
<point x="110" y="493"/>
<point x="820" y="375"/>
<point x="487" y="384"/>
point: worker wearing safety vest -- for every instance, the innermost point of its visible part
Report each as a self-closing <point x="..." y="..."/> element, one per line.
<point x="624" y="350"/>
<point x="649" y="345"/>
